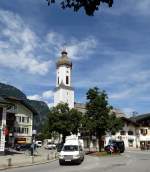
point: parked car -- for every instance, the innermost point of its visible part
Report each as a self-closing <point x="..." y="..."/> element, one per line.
<point x="50" y="146"/>
<point x="22" y="147"/>
<point x="38" y="143"/>
<point x="115" y="146"/>
<point x="111" y="148"/>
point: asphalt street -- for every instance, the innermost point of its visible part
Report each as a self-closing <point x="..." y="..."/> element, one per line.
<point x="130" y="161"/>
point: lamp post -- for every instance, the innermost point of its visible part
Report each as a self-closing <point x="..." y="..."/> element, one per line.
<point x="33" y="135"/>
<point x="33" y="142"/>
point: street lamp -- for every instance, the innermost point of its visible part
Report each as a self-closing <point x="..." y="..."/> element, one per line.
<point x="33" y="135"/>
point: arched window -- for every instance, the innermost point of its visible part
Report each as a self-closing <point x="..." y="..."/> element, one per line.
<point x="67" y="80"/>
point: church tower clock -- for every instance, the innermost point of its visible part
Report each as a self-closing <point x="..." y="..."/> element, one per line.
<point x="64" y="93"/>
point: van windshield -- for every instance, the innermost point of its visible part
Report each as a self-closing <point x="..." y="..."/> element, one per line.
<point x="70" y="148"/>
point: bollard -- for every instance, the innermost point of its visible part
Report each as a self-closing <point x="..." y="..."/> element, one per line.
<point x="55" y="155"/>
<point x="32" y="159"/>
<point x="48" y="156"/>
<point x="9" y="162"/>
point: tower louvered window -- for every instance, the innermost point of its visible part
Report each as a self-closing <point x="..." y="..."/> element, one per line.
<point x="67" y="80"/>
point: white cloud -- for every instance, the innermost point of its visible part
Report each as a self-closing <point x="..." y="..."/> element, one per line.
<point x="50" y="105"/>
<point x="18" y="45"/>
<point x="76" y="48"/>
<point x="47" y="94"/>
<point x="34" y="97"/>
<point x="82" y="49"/>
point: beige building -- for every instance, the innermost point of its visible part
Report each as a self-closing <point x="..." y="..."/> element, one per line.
<point x="23" y="123"/>
<point x="18" y="121"/>
<point x="143" y="134"/>
<point x="19" y="116"/>
<point x="135" y="132"/>
<point x="128" y="134"/>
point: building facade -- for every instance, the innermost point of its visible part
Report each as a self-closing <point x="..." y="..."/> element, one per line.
<point x="3" y="112"/>
<point x="135" y="132"/>
<point x="19" y="116"/>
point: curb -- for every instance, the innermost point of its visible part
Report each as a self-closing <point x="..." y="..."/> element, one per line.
<point x="27" y="165"/>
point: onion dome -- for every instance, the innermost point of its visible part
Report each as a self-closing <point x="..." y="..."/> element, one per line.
<point x="64" y="60"/>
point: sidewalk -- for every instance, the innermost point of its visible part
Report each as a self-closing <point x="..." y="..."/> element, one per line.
<point x="18" y="159"/>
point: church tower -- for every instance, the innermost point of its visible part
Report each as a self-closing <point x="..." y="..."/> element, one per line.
<point x="64" y="93"/>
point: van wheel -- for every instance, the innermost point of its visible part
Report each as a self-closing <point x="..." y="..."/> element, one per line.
<point x="79" y="162"/>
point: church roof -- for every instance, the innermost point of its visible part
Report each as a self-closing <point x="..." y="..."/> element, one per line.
<point x="141" y="117"/>
<point x="62" y="85"/>
<point x="3" y="101"/>
<point x="64" y="60"/>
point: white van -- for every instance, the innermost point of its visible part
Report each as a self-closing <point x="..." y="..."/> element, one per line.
<point x="72" y="151"/>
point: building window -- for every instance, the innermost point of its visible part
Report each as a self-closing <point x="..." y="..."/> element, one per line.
<point x="130" y="142"/>
<point x="67" y="80"/>
<point x="130" y="133"/>
<point x="26" y="130"/>
<point x="27" y="119"/>
<point x="58" y="80"/>
<point x="122" y="133"/>
<point x="22" y="130"/>
<point x="19" y="118"/>
<point x="23" y="119"/>
<point x="143" y="131"/>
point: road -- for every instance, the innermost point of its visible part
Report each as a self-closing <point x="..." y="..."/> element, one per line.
<point x="133" y="161"/>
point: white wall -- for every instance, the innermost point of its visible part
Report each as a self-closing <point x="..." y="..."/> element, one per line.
<point x="126" y="138"/>
<point x="64" y="96"/>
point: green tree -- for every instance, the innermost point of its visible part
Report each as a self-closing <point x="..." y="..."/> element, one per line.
<point x="90" y="6"/>
<point x="99" y="117"/>
<point x="115" y="124"/>
<point x="63" y="120"/>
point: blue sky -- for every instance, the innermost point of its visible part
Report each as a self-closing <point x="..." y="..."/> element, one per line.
<point x="110" y="50"/>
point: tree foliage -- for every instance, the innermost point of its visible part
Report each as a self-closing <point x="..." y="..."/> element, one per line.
<point x="100" y="118"/>
<point x="63" y="120"/>
<point x="90" y="6"/>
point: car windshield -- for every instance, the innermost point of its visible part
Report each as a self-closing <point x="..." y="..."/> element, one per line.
<point x="70" y="148"/>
